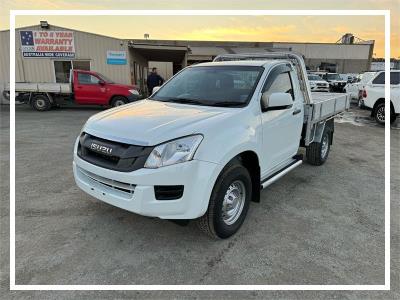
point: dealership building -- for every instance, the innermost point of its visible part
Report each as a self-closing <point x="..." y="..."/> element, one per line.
<point x="46" y="53"/>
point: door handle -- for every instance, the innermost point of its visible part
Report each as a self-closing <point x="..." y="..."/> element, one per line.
<point x="296" y="111"/>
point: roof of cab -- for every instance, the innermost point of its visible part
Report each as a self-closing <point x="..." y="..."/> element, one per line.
<point x="256" y="63"/>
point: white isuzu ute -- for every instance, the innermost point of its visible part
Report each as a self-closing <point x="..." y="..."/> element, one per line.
<point x="204" y="144"/>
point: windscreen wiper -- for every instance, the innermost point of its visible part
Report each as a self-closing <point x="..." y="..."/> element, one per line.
<point x="227" y="103"/>
<point x="185" y="101"/>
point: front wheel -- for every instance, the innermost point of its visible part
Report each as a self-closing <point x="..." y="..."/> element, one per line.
<point x="317" y="153"/>
<point x="229" y="203"/>
<point x="118" y="101"/>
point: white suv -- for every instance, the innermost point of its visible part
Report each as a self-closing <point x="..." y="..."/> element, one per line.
<point x="317" y="84"/>
<point x="373" y="96"/>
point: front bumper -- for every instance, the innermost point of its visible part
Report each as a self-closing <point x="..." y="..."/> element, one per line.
<point x="133" y="98"/>
<point x="320" y="89"/>
<point x="134" y="191"/>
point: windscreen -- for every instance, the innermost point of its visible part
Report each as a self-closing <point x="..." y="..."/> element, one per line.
<point x="211" y="85"/>
<point x="333" y="77"/>
<point x="314" y="77"/>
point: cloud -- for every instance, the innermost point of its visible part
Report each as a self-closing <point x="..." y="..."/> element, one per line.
<point x="237" y="33"/>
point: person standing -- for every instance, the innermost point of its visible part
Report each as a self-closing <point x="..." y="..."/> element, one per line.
<point x="154" y="80"/>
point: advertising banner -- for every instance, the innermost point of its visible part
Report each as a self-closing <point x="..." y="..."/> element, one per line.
<point x="47" y="44"/>
<point x="116" y="57"/>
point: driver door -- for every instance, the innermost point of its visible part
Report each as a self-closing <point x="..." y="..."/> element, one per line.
<point x="88" y="90"/>
<point x="281" y="126"/>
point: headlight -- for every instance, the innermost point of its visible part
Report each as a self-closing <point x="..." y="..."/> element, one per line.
<point x="134" y="92"/>
<point x="173" y="152"/>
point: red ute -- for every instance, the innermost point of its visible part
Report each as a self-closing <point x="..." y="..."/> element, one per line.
<point x="93" y="88"/>
<point x="85" y="87"/>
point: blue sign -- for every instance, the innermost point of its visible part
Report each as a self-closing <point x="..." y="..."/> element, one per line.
<point x="116" y="58"/>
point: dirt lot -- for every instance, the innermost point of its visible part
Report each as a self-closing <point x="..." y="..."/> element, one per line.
<point x="317" y="225"/>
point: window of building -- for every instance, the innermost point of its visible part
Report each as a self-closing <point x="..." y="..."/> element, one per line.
<point x="63" y="67"/>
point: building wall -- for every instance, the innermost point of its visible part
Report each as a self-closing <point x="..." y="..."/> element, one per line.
<point x="164" y="68"/>
<point x="4" y="62"/>
<point x="88" y="46"/>
<point x="343" y="65"/>
<point x="349" y="58"/>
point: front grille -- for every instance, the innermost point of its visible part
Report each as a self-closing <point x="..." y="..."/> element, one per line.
<point x="109" y="183"/>
<point x="112" y="155"/>
<point x="321" y="84"/>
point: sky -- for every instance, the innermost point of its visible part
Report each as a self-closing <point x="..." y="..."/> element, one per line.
<point x="234" y="28"/>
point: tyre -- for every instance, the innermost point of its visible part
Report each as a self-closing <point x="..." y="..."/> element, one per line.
<point x="40" y="103"/>
<point x="379" y="114"/>
<point x="317" y="153"/>
<point x="118" y="101"/>
<point x="229" y="202"/>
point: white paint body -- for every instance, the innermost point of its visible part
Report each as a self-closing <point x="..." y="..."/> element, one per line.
<point x="377" y="91"/>
<point x="228" y="131"/>
<point x="319" y="86"/>
<point x="354" y="88"/>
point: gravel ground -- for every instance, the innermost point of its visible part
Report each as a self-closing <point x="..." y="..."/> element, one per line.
<point x="317" y="225"/>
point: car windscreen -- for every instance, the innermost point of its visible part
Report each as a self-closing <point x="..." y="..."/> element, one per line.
<point x="211" y="85"/>
<point x="333" y="77"/>
<point x="314" y="77"/>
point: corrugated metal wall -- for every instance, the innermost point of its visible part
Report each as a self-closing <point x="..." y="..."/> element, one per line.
<point x="4" y="61"/>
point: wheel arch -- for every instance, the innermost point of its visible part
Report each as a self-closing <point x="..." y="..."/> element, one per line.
<point x="379" y="101"/>
<point x="249" y="159"/>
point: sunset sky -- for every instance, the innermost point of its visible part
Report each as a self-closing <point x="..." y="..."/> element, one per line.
<point x="238" y="28"/>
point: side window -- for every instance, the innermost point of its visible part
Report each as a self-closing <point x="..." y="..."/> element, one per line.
<point x="394" y="77"/>
<point x="281" y="84"/>
<point x="84" y="78"/>
<point x="380" y="79"/>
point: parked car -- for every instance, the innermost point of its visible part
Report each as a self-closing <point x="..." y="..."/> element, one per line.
<point x="202" y="146"/>
<point x="84" y="87"/>
<point x="336" y="84"/>
<point x="373" y="96"/>
<point x="355" y="88"/>
<point x="317" y="84"/>
<point x="349" y="77"/>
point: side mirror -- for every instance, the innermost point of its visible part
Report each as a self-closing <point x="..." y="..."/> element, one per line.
<point x="276" y="101"/>
<point x="101" y="82"/>
<point x="156" y="88"/>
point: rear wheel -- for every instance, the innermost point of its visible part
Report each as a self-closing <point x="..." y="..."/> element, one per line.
<point x="379" y="114"/>
<point x="41" y="103"/>
<point x="118" y="101"/>
<point x="228" y="204"/>
<point x="317" y="152"/>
